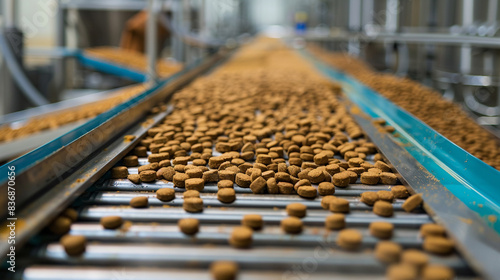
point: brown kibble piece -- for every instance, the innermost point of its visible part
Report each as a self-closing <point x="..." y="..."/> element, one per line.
<point x="165" y="194"/>
<point x="225" y="184"/>
<point x="316" y="176"/>
<point x="70" y="213"/>
<point x="382" y="230"/>
<point x="412" y="202"/>
<point x="326" y="201"/>
<point x="349" y="239"/>
<point x="432" y="230"/>
<point x="61" y="225"/>
<point x="193" y="204"/>
<point x="195" y="173"/>
<point x="224" y="270"/>
<point x="134" y="178"/>
<point x="168" y="173"/>
<point x="131" y="161"/>
<point x="339" y="205"/>
<point x="253" y="221"/>
<point x="401" y="272"/>
<point x="119" y="172"/>
<point x="385" y="196"/>
<point x="326" y="188"/>
<point x="226" y="195"/>
<point x="369" y="178"/>
<point x="335" y="221"/>
<point x="196" y="184"/>
<point x="388" y="252"/>
<point x="189" y="226"/>
<point x="139" y="202"/>
<point x="382" y="166"/>
<point x="388" y="178"/>
<point x="307" y="192"/>
<point x="399" y="191"/>
<point x="191" y="193"/>
<point x="292" y="225"/>
<point x="438" y="245"/>
<point x="74" y="245"/>
<point x="111" y="222"/>
<point x="437" y="272"/>
<point x="258" y="185"/>
<point x="243" y="180"/>
<point x="211" y="176"/>
<point x="341" y="179"/>
<point x="369" y="198"/>
<point x="179" y="179"/>
<point x="148" y="176"/>
<point x="241" y="237"/>
<point x="415" y="258"/>
<point x="383" y="208"/>
<point x="296" y="210"/>
<point x="272" y="186"/>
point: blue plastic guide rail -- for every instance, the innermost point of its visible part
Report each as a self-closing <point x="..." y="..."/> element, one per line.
<point x="471" y="180"/>
<point x="111" y="68"/>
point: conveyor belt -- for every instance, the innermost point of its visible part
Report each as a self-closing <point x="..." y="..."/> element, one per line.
<point x="152" y="247"/>
<point x="154" y="239"/>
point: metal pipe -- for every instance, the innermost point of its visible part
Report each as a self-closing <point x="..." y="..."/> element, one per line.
<point x="151" y="39"/>
<point x="9" y="13"/>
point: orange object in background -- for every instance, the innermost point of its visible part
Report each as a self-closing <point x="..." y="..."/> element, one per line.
<point x="134" y="34"/>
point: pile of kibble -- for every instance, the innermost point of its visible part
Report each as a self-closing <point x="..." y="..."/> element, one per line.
<point x="426" y="104"/>
<point x="275" y="127"/>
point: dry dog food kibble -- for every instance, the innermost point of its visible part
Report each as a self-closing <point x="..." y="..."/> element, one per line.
<point x="226" y="195"/>
<point x="369" y="178"/>
<point x="341" y="179"/>
<point x="401" y="272"/>
<point x="326" y="201"/>
<point x="415" y="258"/>
<point x="399" y="191"/>
<point x="241" y="237"/>
<point x="432" y="230"/>
<point x="189" y="226"/>
<point x="335" y="221"/>
<point x="258" y="185"/>
<point x="224" y="270"/>
<point x="349" y="239"/>
<point x="383" y="208"/>
<point x="179" y="180"/>
<point x="147" y="176"/>
<point x="326" y="188"/>
<point x="225" y="184"/>
<point x="192" y="193"/>
<point x="437" y="272"/>
<point x="70" y="213"/>
<point x="193" y="204"/>
<point x="296" y="210"/>
<point x="61" y="225"/>
<point x="196" y="184"/>
<point x="339" y="205"/>
<point x="382" y="230"/>
<point x="388" y="252"/>
<point x="119" y="172"/>
<point x="111" y="222"/>
<point x="385" y="196"/>
<point x="438" y="245"/>
<point x="243" y="180"/>
<point x="74" y="245"/>
<point x="139" y="202"/>
<point x="307" y="192"/>
<point x="292" y="225"/>
<point x="369" y="198"/>
<point x="134" y="178"/>
<point x="388" y="178"/>
<point x="253" y="221"/>
<point x="165" y="194"/>
<point x="412" y="202"/>
<point x="131" y="161"/>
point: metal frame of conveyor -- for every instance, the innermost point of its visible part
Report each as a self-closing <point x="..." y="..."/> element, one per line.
<point x="452" y="181"/>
